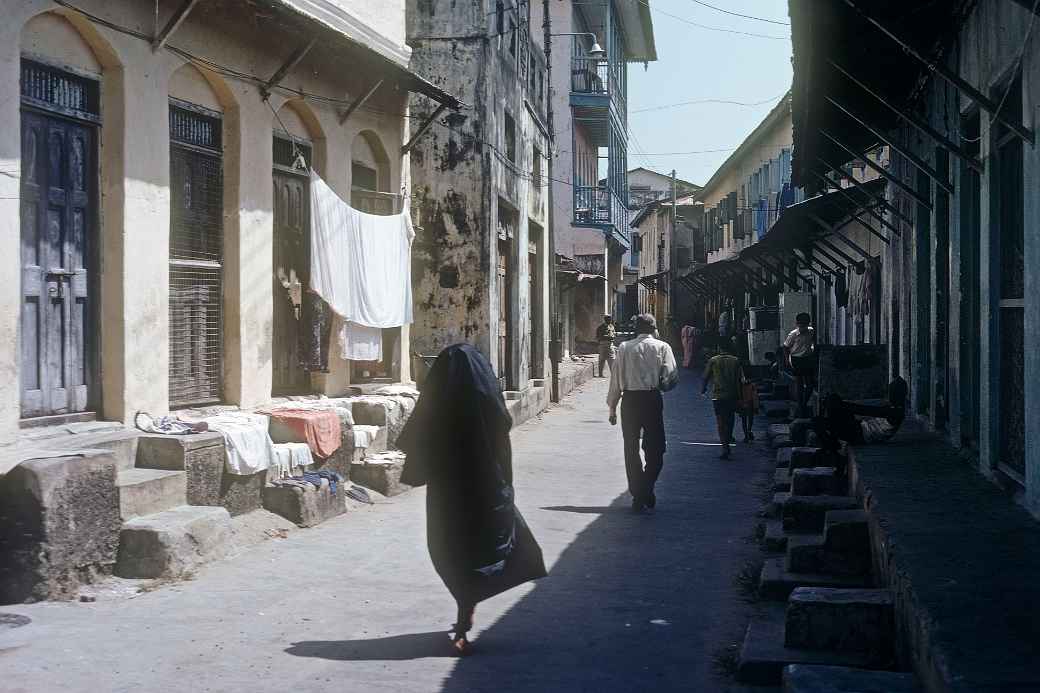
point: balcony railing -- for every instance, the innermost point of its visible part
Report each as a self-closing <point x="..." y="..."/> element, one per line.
<point x="597" y="76"/>
<point x="599" y="205"/>
<point x="372" y="202"/>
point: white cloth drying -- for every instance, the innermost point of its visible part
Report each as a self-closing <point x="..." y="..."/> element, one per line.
<point x="248" y="447"/>
<point x="365" y="435"/>
<point x="360" y="263"/>
<point x="291" y="459"/>
<point x="360" y="343"/>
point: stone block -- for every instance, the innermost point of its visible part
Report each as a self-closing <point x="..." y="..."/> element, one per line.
<point x="200" y="455"/>
<point x="306" y="507"/>
<point x="802" y="457"/>
<point x="173" y="542"/>
<point x="778" y="430"/>
<point x="383" y="411"/>
<point x="819" y="678"/>
<point x="841" y="620"/>
<point x="847" y="530"/>
<point x="147" y="491"/>
<point x="763" y="655"/>
<point x="776" y="537"/>
<point x="775" y="505"/>
<point x="799" y="430"/>
<point x="776" y="409"/>
<point x="242" y="493"/>
<point x="381" y="472"/>
<point x="59" y="525"/>
<point x="783" y="457"/>
<point x="807" y="513"/>
<point x="818" y="481"/>
<point x="341" y="460"/>
<point x="780" y="442"/>
<point x="776" y="582"/>
<point x="97" y="435"/>
<point x="781" y="481"/>
<point x="810" y="554"/>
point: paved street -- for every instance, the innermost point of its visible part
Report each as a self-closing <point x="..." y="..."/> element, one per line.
<point x="632" y="603"/>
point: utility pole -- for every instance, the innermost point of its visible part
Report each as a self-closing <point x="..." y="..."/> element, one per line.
<point x="672" y="260"/>
<point x="555" y="337"/>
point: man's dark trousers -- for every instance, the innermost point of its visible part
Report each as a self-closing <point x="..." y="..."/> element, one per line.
<point x="642" y="413"/>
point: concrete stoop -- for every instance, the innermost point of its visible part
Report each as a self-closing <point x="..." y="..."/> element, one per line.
<point x="776" y="582"/>
<point x="841" y="619"/>
<point x="817" y="678"/>
<point x="818" y="481"/>
<point x="776" y="537"/>
<point x="808" y="513"/>
<point x="381" y="473"/>
<point x="764" y="655"/>
<point x="782" y="480"/>
<point x="147" y="491"/>
<point x="173" y="542"/>
<point x="306" y="507"/>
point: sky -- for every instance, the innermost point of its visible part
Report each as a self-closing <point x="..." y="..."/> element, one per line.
<point x="694" y="64"/>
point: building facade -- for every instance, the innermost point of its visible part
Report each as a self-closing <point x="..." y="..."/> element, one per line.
<point x="480" y="190"/>
<point x="155" y="197"/>
<point x="593" y="44"/>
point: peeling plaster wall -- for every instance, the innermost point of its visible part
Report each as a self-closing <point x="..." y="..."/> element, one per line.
<point x="463" y="180"/>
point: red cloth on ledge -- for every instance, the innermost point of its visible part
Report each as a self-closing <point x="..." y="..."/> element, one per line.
<point x="319" y="428"/>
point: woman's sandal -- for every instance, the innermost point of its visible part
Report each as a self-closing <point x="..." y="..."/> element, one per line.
<point x="459" y="640"/>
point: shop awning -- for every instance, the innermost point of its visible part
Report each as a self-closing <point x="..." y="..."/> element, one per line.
<point x="859" y="66"/>
<point x="656" y="282"/>
<point x="347" y="41"/>
<point x="808" y="234"/>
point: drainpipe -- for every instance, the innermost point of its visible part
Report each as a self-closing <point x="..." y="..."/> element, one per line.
<point x="555" y="337"/>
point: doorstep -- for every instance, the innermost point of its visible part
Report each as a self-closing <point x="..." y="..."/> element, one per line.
<point x="962" y="559"/>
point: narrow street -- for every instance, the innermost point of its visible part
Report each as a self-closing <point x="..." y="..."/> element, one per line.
<point x="632" y="603"/>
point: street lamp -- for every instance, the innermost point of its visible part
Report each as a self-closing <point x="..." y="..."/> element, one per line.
<point x="596" y="52"/>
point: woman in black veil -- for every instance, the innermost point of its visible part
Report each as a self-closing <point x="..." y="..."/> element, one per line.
<point x="457" y="444"/>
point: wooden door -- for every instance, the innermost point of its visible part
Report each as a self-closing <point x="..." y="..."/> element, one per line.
<point x="291" y="273"/>
<point x="58" y="232"/>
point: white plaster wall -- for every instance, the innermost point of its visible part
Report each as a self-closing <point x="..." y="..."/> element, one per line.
<point x="135" y="202"/>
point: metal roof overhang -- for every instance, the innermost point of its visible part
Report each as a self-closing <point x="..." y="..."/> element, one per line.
<point x="802" y="226"/>
<point x="656" y="282"/>
<point x="836" y="45"/>
<point x="292" y="16"/>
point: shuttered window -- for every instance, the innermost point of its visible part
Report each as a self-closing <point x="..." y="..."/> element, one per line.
<point x="196" y="255"/>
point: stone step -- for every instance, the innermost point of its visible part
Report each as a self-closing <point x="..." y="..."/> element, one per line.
<point x="381" y="472"/>
<point x="776" y="582"/>
<point x="173" y="542"/>
<point x="775" y="506"/>
<point x="818" y="678"/>
<point x="841" y="620"/>
<point x="807" y="513"/>
<point x="800" y="427"/>
<point x="778" y="430"/>
<point x="783" y="458"/>
<point x="763" y="655"/>
<point x="776" y="409"/>
<point x="776" y="537"/>
<point x="100" y="435"/>
<point x="818" y="481"/>
<point x="306" y="506"/>
<point x="810" y="554"/>
<point x="148" y="491"/>
<point x="782" y="480"/>
<point x="847" y="530"/>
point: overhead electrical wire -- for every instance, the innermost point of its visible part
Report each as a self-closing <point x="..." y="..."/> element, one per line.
<point x="737" y="14"/>
<point x="706" y="101"/>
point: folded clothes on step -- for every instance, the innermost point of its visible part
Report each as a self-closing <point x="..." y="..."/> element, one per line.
<point x="319" y="428"/>
<point x="364" y="436"/>
<point x="309" y="480"/>
<point x="248" y="447"/>
<point x="292" y="459"/>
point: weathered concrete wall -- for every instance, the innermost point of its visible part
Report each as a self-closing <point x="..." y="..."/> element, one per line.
<point x="474" y="194"/>
<point x="134" y="181"/>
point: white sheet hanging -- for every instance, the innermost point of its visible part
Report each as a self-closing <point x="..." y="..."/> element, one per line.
<point x="360" y="343"/>
<point x="360" y="263"/>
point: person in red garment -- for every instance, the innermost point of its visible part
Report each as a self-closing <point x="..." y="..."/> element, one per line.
<point x="457" y="444"/>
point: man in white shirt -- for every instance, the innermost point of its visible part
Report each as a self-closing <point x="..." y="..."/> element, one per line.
<point x="800" y="349"/>
<point x="645" y="366"/>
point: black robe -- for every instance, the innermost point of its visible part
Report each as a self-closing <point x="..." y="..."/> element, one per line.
<point x="457" y="443"/>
